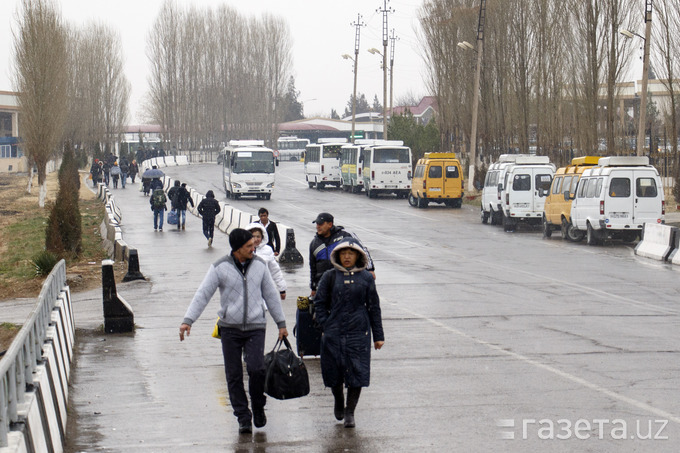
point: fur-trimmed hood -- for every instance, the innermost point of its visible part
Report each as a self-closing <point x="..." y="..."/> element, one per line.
<point x="265" y="236"/>
<point x="353" y="244"/>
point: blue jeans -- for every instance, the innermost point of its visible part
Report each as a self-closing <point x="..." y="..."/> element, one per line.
<point x="156" y="214"/>
<point x="181" y="217"/>
<point x="234" y="343"/>
<point x="123" y="177"/>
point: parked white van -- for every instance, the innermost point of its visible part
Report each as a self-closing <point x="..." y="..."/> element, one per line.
<point x="615" y="198"/>
<point x="525" y="186"/>
<point x="491" y="194"/>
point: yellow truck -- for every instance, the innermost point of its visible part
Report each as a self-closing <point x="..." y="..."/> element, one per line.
<point x="438" y="178"/>
<point x="557" y="209"/>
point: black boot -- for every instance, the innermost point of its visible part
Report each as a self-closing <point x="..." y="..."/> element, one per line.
<point x="339" y="409"/>
<point x="352" y="400"/>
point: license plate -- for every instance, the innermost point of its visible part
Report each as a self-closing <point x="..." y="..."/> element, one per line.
<point x="435" y="189"/>
<point x="618" y="215"/>
<point x="390" y="187"/>
<point x="521" y="205"/>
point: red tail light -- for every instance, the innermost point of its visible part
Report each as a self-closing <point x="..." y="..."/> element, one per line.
<point x="372" y="174"/>
<point x="409" y="175"/>
<point x="601" y="207"/>
<point x="359" y="171"/>
<point x="424" y="184"/>
<point x="322" y="168"/>
<point x="507" y="199"/>
<point x="663" y="207"/>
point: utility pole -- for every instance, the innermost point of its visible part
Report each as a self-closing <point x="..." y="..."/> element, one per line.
<point x="384" y="12"/>
<point x="475" y="95"/>
<point x="392" y="40"/>
<point x="642" y="127"/>
<point x="358" y="24"/>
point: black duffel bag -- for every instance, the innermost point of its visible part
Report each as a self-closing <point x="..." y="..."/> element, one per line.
<point x="286" y="376"/>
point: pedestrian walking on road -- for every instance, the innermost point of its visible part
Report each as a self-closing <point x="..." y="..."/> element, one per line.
<point x="246" y="287"/>
<point x="181" y="198"/>
<point x="347" y="309"/>
<point x="264" y="251"/>
<point x="208" y="208"/>
<point x="272" y="231"/>
<point x="158" y="202"/>
<point x="115" y="174"/>
<point x="124" y="170"/>
<point x="134" y="169"/>
<point x="96" y="172"/>
<point x="327" y="238"/>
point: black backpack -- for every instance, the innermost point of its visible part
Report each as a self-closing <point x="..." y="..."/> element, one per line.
<point x="158" y="199"/>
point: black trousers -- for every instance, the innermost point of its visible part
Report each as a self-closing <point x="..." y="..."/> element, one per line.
<point x="250" y="345"/>
<point x="208" y="227"/>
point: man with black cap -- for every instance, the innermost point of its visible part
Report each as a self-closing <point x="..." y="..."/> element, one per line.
<point x="327" y="237"/>
<point x="246" y="287"/>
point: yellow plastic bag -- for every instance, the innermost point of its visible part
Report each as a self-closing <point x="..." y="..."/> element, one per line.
<point x="216" y="330"/>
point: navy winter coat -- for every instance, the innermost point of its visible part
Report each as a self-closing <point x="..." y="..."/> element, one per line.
<point x="353" y="316"/>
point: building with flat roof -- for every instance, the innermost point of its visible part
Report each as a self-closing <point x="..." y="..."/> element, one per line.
<point x="11" y="157"/>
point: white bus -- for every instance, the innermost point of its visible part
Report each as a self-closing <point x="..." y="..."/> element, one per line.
<point x="322" y="163"/>
<point x="248" y="169"/>
<point x="290" y="148"/>
<point x="386" y="168"/>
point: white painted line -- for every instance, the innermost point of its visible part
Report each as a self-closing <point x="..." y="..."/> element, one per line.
<point x="609" y="393"/>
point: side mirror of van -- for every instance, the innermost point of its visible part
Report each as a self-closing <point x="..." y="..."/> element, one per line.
<point x="500" y="187"/>
<point x="567" y="196"/>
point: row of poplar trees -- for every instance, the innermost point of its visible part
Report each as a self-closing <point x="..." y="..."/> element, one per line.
<point x="549" y="76"/>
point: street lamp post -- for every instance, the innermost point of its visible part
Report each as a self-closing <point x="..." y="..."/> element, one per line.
<point x="375" y="51"/>
<point x="354" y="93"/>
<point x="475" y="96"/>
<point x="645" y="76"/>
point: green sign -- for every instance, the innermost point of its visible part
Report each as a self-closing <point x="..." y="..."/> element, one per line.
<point x="358" y="134"/>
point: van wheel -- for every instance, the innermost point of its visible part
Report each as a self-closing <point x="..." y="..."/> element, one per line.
<point x="457" y="203"/>
<point x="319" y="186"/>
<point x="547" y="228"/>
<point x="372" y="193"/>
<point x="573" y="233"/>
<point x="311" y="185"/>
<point x="422" y="203"/>
<point x="591" y="236"/>
<point x="494" y="217"/>
<point x="412" y="200"/>
<point x="485" y="217"/>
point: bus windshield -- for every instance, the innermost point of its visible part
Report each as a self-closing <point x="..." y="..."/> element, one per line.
<point x="391" y="156"/>
<point x="253" y="162"/>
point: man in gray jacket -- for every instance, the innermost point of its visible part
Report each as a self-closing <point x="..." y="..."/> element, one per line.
<point x="246" y="286"/>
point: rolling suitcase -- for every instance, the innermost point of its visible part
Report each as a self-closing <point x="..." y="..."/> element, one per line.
<point x="308" y="337"/>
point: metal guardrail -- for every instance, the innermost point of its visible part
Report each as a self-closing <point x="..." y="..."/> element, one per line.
<point x="22" y="357"/>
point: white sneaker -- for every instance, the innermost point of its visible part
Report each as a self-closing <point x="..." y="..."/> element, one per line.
<point x="210" y="242"/>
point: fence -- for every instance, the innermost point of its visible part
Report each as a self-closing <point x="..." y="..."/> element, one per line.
<point x="35" y="369"/>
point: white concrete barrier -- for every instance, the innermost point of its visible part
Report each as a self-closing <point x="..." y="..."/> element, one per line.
<point x="657" y="241"/>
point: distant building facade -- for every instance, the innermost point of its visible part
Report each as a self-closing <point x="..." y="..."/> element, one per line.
<point x="12" y="159"/>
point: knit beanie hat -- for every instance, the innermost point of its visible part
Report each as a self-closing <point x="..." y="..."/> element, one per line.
<point x="238" y="237"/>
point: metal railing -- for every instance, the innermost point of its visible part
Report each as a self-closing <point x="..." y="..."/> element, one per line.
<point x="25" y="352"/>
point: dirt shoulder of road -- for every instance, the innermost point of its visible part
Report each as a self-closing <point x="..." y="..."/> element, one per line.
<point x="17" y="205"/>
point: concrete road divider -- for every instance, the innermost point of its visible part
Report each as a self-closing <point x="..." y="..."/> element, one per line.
<point x="658" y="241"/>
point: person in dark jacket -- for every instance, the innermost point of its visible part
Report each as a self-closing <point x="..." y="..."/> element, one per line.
<point x="134" y="169"/>
<point x="155" y="183"/>
<point x="181" y="198"/>
<point x="327" y="237"/>
<point x="208" y="208"/>
<point x="96" y="172"/>
<point x="172" y="192"/>
<point x="347" y="309"/>
<point x="272" y="230"/>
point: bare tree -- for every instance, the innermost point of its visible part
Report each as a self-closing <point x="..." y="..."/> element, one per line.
<point x="41" y="79"/>
<point x="666" y="39"/>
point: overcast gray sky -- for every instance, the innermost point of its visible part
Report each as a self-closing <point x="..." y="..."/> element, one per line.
<point x="321" y="31"/>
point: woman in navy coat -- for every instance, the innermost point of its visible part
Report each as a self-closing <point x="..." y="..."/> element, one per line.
<point x="347" y="308"/>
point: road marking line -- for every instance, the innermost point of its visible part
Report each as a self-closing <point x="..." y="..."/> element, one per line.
<point x="563" y="374"/>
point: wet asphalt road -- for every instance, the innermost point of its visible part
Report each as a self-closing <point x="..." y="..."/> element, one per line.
<point x="569" y="347"/>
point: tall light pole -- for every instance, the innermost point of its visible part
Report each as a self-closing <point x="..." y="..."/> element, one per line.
<point x="354" y="93"/>
<point x="392" y="41"/>
<point x="385" y="10"/>
<point x="475" y="94"/>
<point x="358" y="24"/>
<point x="642" y="127"/>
